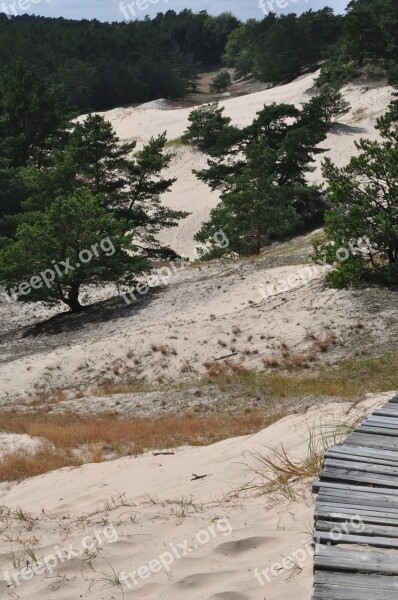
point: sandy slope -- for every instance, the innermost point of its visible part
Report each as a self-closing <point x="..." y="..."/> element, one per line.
<point x="203" y="314"/>
<point x="367" y="103"/>
<point x="194" y="315"/>
<point x="162" y="508"/>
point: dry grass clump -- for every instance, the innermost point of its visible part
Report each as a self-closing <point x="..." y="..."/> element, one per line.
<point x="21" y="464"/>
<point x="277" y="473"/>
<point x="271" y="362"/>
<point x="214" y="368"/>
<point x="238" y="368"/>
<point x="217" y="368"/>
<point x="111" y="435"/>
<point x="162" y="348"/>
<point x="325" y="344"/>
<point x="303" y="360"/>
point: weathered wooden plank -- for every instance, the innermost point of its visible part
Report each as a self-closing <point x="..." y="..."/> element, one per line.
<point x="333" y="558"/>
<point x="388" y="420"/>
<point x="389" y="403"/>
<point x="377" y="494"/>
<point x="364" y="459"/>
<point x="363" y="451"/>
<point x="327" y="537"/>
<point x="357" y="476"/>
<point x="357" y="509"/>
<point x="377" y="430"/>
<point x="348" y="593"/>
<point x="380" y="442"/>
<point x="352" y="528"/>
<point x="344" y="516"/>
<point x="356" y="580"/>
<point x="391" y="411"/>
<point x="350" y="586"/>
<point x="362" y="499"/>
<point x="375" y="511"/>
<point x="363" y="467"/>
<point x="337" y="485"/>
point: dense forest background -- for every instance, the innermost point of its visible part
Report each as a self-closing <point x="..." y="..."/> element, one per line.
<point x="103" y="65"/>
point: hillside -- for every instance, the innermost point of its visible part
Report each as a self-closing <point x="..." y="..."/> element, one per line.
<point x="192" y="318"/>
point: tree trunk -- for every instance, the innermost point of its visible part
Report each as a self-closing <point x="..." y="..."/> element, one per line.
<point x="258" y="232"/>
<point x="73" y="298"/>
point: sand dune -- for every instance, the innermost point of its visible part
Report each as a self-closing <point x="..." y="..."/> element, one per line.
<point x="148" y="509"/>
<point x="367" y="103"/>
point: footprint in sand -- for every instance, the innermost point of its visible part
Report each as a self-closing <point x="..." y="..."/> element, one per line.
<point x="243" y="545"/>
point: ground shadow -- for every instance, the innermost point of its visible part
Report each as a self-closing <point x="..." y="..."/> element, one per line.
<point x="107" y="310"/>
<point x="341" y="129"/>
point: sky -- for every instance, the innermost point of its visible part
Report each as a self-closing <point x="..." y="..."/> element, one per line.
<point x="115" y="10"/>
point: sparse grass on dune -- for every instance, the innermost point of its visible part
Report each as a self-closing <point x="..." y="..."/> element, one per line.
<point x="349" y="379"/>
<point x="109" y="434"/>
<point x="277" y="473"/>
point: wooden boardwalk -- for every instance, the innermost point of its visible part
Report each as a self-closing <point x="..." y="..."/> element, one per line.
<point x="356" y="513"/>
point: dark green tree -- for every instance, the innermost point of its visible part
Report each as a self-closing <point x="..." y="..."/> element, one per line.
<point x="33" y="115"/>
<point x="220" y="82"/>
<point x="209" y="130"/>
<point x="261" y="176"/>
<point x="328" y="105"/>
<point x="131" y="187"/>
<point x="364" y="204"/>
<point x="94" y="191"/>
<point x="75" y="242"/>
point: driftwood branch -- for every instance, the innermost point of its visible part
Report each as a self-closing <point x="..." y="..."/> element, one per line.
<point x="196" y="477"/>
<point x="226" y="356"/>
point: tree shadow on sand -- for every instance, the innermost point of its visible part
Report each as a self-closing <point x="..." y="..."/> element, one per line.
<point x="112" y="309"/>
<point x="341" y="129"/>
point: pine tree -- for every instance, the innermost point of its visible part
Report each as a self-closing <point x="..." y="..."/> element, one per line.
<point x="130" y="187"/>
<point x="50" y="259"/>
<point x="364" y="204"/>
<point x="209" y="130"/>
<point x="220" y="82"/>
<point x="94" y="191"/>
<point x="261" y="176"/>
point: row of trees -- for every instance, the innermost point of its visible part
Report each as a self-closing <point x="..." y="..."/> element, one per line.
<point x="102" y="65"/>
<point x="368" y="44"/>
<point x="279" y="47"/>
<point x="364" y="41"/>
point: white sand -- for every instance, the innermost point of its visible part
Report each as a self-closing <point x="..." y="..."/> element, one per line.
<point x="258" y="534"/>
